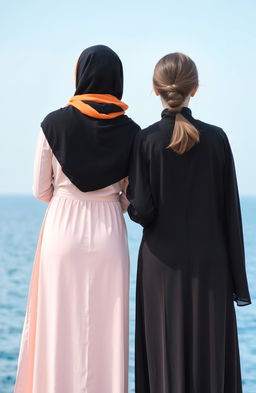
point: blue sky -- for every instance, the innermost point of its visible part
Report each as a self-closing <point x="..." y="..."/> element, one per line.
<point x="41" y="41"/>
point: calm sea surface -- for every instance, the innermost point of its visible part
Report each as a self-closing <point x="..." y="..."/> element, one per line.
<point x="20" y="221"/>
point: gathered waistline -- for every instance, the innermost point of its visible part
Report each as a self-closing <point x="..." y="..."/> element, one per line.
<point x="86" y="196"/>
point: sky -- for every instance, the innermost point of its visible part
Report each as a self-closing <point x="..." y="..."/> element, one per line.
<point x="41" y="41"/>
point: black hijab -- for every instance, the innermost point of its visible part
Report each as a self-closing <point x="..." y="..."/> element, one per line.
<point x="93" y="153"/>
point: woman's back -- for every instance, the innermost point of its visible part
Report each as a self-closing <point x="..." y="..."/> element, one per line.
<point x="47" y="167"/>
<point x="188" y="203"/>
<point x="63" y="186"/>
<point x="188" y="190"/>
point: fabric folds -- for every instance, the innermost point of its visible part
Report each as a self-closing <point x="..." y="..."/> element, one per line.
<point x="92" y="137"/>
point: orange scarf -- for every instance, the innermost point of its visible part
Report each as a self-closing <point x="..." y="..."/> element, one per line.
<point x="77" y="102"/>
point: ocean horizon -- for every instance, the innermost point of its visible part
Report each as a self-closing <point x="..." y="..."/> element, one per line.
<point x="21" y="217"/>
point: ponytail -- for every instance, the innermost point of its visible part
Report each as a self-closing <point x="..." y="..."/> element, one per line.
<point x="184" y="135"/>
<point x="175" y="76"/>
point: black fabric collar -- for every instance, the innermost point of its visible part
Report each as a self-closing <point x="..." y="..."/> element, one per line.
<point x="184" y="111"/>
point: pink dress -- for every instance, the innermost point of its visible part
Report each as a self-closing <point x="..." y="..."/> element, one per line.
<point x="75" y="333"/>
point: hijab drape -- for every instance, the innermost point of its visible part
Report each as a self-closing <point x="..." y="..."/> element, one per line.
<point x="91" y="137"/>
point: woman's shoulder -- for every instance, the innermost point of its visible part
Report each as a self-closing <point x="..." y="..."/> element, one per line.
<point x="148" y="136"/>
<point x="152" y="128"/>
<point x="54" y="116"/>
<point x="149" y="131"/>
<point x="126" y="122"/>
<point x="211" y="132"/>
<point x="70" y="113"/>
<point x="212" y="128"/>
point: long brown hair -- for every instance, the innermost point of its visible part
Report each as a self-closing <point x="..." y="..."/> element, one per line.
<point x="174" y="77"/>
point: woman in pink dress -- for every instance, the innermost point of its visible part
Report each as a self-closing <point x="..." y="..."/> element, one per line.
<point x="75" y="333"/>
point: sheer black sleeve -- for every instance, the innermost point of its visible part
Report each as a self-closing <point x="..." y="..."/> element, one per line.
<point x="141" y="208"/>
<point x="234" y="230"/>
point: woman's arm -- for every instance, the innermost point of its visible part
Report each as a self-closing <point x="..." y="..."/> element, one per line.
<point x="123" y="199"/>
<point x="141" y="208"/>
<point x="43" y="174"/>
<point x="234" y="230"/>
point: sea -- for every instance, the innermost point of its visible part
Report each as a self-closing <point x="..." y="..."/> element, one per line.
<point x="20" y="221"/>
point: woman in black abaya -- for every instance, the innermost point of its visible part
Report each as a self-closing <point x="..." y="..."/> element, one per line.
<point x="191" y="266"/>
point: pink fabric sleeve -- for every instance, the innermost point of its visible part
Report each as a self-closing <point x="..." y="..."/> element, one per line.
<point x="123" y="200"/>
<point x="43" y="173"/>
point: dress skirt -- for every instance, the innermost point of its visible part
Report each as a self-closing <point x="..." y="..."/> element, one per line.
<point x="186" y="328"/>
<point x="75" y="333"/>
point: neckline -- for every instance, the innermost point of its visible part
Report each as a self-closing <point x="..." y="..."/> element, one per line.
<point x="184" y="110"/>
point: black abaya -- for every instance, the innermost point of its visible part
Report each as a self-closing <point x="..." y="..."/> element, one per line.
<point x="191" y="265"/>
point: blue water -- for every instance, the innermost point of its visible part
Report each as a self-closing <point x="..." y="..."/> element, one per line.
<point x="20" y="221"/>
